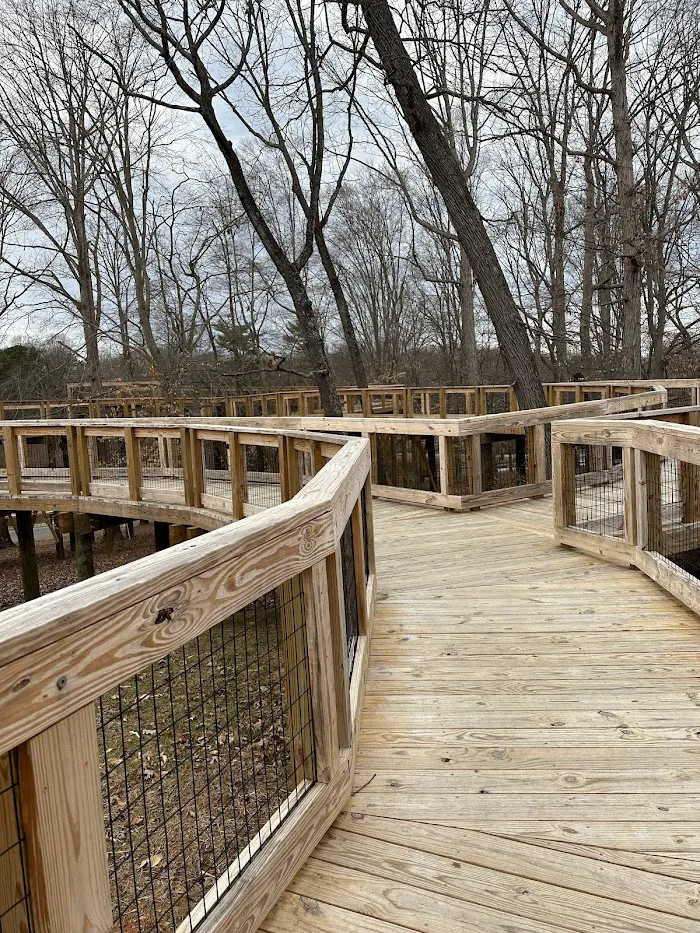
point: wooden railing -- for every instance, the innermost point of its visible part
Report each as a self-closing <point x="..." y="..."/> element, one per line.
<point x="377" y="401"/>
<point x="178" y="733"/>
<point x="629" y="490"/>
<point x="464" y="463"/>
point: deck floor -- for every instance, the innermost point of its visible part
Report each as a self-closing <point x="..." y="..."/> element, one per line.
<point x="530" y="743"/>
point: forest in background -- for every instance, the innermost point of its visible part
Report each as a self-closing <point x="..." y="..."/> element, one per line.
<point x="236" y="197"/>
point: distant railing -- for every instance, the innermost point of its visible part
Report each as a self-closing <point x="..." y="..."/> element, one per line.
<point x="464" y="463"/>
<point x="629" y="490"/>
<point x="374" y="402"/>
<point x="177" y="734"/>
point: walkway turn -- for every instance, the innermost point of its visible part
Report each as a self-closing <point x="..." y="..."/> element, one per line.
<point x="530" y="743"/>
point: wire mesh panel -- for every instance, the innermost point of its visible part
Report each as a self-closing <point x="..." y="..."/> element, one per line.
<point x="107" y="460"/>
<point x="161" y="463"/>
<point x="262" y="465"/>
<point x="217" y="468"/>
<point x="458" y="403"/>
<point x="567" y="397"/>
<point x="44" y="459"/>
<point x="504" y="463"/>
<point x="204" y="755"/>
<point x="352" y="617"/>
<point x="679" y="398"/>
<point x="599" y="489"/>
<point x="408" y="461"/>
<point x="497" y="402"/>
<point x="673" y="512"/>
<point x="593" y="395"/>
<point x="304" y="467"/>
<point x="15" y="914"/>
<point x="365" y="537"/>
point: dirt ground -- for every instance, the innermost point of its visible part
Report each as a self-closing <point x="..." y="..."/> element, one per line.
<point x="55" y="574"/>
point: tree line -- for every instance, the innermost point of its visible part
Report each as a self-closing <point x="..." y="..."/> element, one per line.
<point x="319" y="190"/>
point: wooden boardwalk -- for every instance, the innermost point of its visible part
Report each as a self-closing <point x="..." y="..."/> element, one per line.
<point x="530" y="744"/>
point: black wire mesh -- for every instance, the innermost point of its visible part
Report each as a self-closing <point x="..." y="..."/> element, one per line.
<point x="408" y="461"/>
<point x="679" y="398"/>
<point x="161" y="463"/>
<point x="458" y="403"/>
<point x="352" y="617"/>
<point x="504" y="463"/>
<point x="262" y="465"/>
<point x="592" y="395"/>
<point x="107" y="460"/>
<point x="598" y="489"/>
<point x="497" y="402"/>
<point x="204" y="755"/>
<point x="365" y="534"/>
<point x="304" y="467"/>
<point x="567" y="397"/>
<point x="15" y="913"/>
<point x="216" y="467"/>
<point x="44" y="459"/>
<point x="673" y="512"/>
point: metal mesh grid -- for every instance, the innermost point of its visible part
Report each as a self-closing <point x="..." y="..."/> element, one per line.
<point x="408" y="461"/>
<point x="365" y="538"/>
<point x="44" y="459"/>
<point x="204" y="755"/>
<point x="679" y="398"/>
<point x="461" y="474"/>
<point x="262" y="465"/>
<point x="304" y="467"/>
<point x="107" y="460"/>
<point x="457" y="403"/>
<point x="216" y="467"/>
<point x="418" y="403"/>
<point x="352" y="618"/>
<point x="504" y="463"/>
<point x="497" y="403"/>
<point x="592" y="396"/>
<point x="599" y="489"/>
<point x="15" y="914"/>
<point x="673" y="512"/>
<point x="161" y="463"/>
<point x="567" y="397"/>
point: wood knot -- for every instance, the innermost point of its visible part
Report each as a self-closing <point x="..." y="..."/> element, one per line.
<point x="165" y="614"/>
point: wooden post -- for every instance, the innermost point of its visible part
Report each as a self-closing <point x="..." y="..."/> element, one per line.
<point x="358" y="560"/>
<point x="442" y="398"/>
<point x="161" y="535"/>
<point x="445" y="452"/>
<point x="321" y="672"/>
<point x="24" y="522"/>
<point x="238" y="474"/>
<point x="84" y="539"/>
<point x="14" y="476"/>
<point x="475" y="465"/>
<point x="653" y="509"/>
<point x="339" y="644"/>
<point x="178" y="534"/>
<point x="629" y="495"/>
<point x="133" y="464"/>
<point x="61" y="801"/>
<point x="564" y="484"/>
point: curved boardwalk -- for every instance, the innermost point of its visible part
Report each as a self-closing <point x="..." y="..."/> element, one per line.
<point x="530" y="743"/>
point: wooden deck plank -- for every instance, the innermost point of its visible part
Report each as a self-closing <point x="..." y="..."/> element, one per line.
<point x="529" y="754"/>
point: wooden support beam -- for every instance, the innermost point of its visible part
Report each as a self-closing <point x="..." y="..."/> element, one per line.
<point x="238" y="474"/>
<point x="84" y="539"/>
<point x="178" y="534"/>
<point x="61" y="803"/>
<point x="161" y="535"/>
<point x="24" y="524"/>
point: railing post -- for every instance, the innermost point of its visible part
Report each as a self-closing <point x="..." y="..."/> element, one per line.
<point x="133" y="464"/>
<point x="653" y="501"/>
<point x="61" y="804"/>
<point x="475" y="466"/>
<point x="339" y="645"/>
<point x="83" y="461"/>
<point x="629" y="502"/>
<point x="238" y="481"/>
<point x="321" y="671"/>
<point x="563" y="484"/>
<point x="14" y="475"/>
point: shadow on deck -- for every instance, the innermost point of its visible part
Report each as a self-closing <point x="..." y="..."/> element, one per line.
<point x="530" y="743"/>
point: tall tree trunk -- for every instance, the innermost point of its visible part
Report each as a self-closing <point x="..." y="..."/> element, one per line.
<point x="588" y="269"/>
<point x="358" y="367"/>
<point x="627" y="193"/>
<point x="306" y="316"/>
<point x="470" y="364"/>
<point x="559" y="282"/>
<point x="448" y="177"/>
